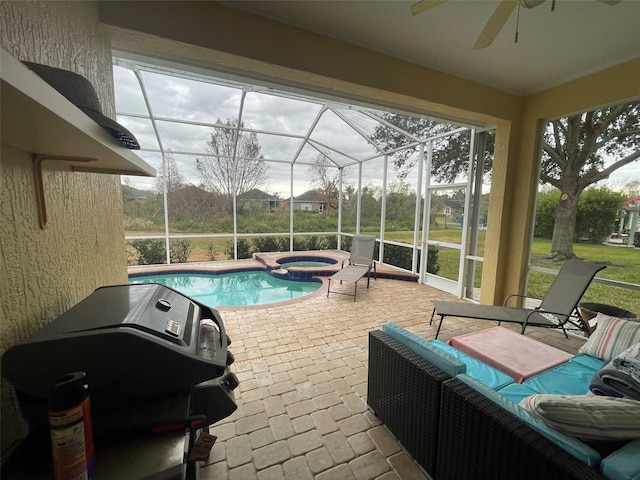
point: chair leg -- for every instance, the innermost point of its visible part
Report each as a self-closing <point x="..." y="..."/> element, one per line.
<point x="565" y="332"/>
<point x="439" y="325"/>
<point x="432" y="314"/>
<point x="355" y="292"/>
<point x="328" y="288"/>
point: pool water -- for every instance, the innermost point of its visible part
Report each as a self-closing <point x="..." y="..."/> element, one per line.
<point x="304" y="264"/>
<point x="232" y="289"/>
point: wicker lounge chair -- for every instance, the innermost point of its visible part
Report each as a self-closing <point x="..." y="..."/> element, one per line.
<point x="360" y="264"/>
<point x="558" y="307"/>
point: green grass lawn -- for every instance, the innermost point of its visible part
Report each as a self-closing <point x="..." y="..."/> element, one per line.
<point x="623" y="265"/>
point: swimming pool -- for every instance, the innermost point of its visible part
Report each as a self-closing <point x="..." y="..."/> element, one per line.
<point x="231" y="289"/>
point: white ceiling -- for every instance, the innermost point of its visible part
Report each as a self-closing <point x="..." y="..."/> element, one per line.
<point x="579" y="37"/>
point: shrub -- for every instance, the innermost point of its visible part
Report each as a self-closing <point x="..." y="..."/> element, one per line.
<point x="314" y="243"/>
<point x="597" y="211"/>
<point x="300" y="243"/>
<point x="179" y="250"/>
<point x="432" y="260"/>
<point x="150" y="251"/>
<point x="399" y="256"/>
<point x="545" y="213"/>
<point x="244" y="249"/>
<point x="269" y="244"/>
<point x="211" y="251"/>
<point x="331" y="242"/>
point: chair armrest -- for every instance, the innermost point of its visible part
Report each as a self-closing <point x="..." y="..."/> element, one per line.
<point x="515" y="295"/>
<point x="342" y="263"/>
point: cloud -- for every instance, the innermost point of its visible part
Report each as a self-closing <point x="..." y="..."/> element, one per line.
<point x="195" y="106"/>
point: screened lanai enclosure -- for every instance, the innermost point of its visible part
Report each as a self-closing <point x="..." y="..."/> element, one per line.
<point x="246" y="166"/>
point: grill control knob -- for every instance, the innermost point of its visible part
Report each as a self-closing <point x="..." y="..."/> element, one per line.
<point x="230" y="358"/>
<point x="231" y="381"/>
<point x="164" y="305"/>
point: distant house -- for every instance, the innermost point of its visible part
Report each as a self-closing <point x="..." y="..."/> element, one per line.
<point x="453" y="208"/>
<point x="311" y="200"/>
<point x="258" y="197"/>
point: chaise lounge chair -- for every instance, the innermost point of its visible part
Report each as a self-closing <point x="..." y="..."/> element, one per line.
<point x="558" y="307"/>
<point x="360" y="264"/>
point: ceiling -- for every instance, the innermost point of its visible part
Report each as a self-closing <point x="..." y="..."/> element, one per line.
<point x="579" y="37"/>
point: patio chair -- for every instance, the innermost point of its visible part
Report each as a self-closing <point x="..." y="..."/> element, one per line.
<point x="360" y="263"/>
<point x="558" y="307"/>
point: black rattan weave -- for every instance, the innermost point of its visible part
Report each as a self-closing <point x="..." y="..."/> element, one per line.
<point x="480" y="440"/>
<point x="404" y="392"/>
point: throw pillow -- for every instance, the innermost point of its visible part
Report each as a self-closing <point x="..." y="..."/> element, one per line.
<point x="611" y="338"/>
<point x="587" y="417"/>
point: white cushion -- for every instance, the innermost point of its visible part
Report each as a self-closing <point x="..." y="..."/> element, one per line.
<point x="587" y="417"/>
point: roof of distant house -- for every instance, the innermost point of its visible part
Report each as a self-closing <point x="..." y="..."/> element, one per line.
<point x="256" y="194"/>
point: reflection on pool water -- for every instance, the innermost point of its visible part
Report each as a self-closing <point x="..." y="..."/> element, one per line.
<point x="231" y="289"/>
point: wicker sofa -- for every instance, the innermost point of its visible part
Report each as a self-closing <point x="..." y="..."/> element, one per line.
<point x="455" y="430"/>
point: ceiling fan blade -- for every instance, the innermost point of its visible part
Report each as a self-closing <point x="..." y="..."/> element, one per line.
<point x="425" y="5"/>
<point x="495" y="23"/>
<point x="610" y="2"/>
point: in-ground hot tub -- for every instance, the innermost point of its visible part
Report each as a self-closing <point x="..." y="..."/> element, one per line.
<point x="305" y="261"/>
<point x="299" y="266"/>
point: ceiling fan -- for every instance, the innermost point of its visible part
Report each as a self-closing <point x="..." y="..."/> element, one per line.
<point x="498" y="19"/>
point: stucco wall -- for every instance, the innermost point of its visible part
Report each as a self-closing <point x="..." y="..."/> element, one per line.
<point x="45" y="272"/>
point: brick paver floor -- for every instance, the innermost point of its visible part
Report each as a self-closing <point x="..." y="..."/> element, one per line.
<point x="302" y="365"/>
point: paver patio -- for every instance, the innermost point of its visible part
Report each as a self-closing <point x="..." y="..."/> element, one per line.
<point x="302" y="366"/>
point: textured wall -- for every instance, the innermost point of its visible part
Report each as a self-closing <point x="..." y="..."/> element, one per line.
<point x="45" y="272"/>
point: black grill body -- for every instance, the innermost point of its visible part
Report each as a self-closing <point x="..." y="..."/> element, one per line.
<point x="139" y="344"/>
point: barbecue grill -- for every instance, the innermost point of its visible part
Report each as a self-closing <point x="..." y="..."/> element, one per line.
<point x="141" y="346"/>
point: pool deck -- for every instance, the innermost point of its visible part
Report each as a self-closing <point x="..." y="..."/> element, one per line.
<point x="302" y="366"/>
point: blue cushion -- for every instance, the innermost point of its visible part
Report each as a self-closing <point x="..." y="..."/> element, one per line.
<point x="572" y="378"/>
<point x="491" y="377"/>
<point x="623" y="464"/>
<point x="575" y="447"/>
<point x="516" y="392"/>
<point x="447" y="358"/>
<point x="588" y="361"/>
<point x="423" y="348"/>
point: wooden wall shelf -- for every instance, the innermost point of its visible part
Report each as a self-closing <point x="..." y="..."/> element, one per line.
<point x="38" y="120"/>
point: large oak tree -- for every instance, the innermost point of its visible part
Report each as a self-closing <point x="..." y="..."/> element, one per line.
<point x="581" y="150"/>
<point x="578" y="151"/>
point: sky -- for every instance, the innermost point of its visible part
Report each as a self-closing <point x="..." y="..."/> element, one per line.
<point x="186" y="108"/>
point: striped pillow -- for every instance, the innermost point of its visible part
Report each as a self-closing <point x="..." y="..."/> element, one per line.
<point x="587" y="417"/>
<point x="612" y="337"/>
